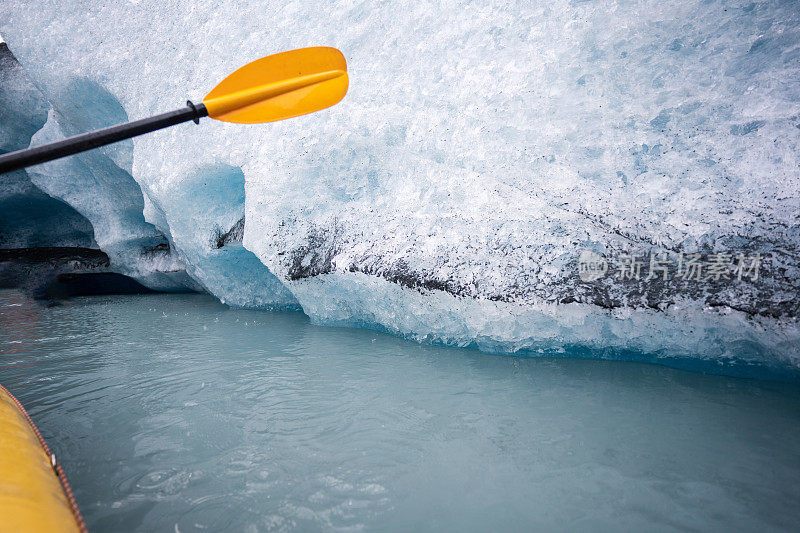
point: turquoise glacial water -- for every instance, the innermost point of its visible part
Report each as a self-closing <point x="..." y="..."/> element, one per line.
<point x="176" y="413"/>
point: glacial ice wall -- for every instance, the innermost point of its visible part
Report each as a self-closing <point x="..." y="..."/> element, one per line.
<point x="28" y="216"/>
<point x="69" y="202"/>
<point x="98" y="184"/>
<point x="205" y="218"/>
<point x="482" y="148"/>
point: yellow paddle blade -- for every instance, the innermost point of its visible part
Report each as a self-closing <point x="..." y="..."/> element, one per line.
<point x="280" y="86"/>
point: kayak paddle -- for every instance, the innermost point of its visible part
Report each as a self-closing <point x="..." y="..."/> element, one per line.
<point x="272" y="88"/>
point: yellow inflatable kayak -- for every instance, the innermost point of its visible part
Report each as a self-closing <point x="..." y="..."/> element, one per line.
<point x="34" y="493"/>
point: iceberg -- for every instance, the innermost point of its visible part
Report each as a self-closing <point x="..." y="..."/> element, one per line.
<point x="619" y="176"/>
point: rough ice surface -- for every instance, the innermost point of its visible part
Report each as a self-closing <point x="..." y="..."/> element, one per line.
<point x="481" y="147"/>
<point x="28" y="216"/>
<point x="69" y="202"/>
<point x="205" y="218"/>
<point x="98" y="185"/>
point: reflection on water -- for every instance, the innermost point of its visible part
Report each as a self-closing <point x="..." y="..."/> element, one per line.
<point x="177" y="413"/>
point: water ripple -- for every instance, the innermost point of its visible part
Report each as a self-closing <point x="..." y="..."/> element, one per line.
<point x="177" y="413"/>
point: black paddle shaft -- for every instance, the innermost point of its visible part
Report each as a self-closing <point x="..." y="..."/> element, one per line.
<point x="94" y="139"/>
